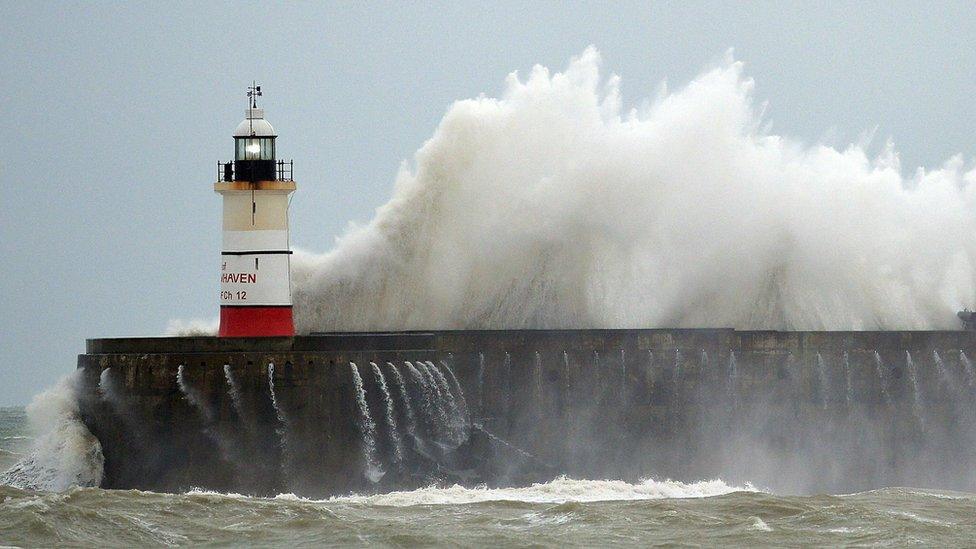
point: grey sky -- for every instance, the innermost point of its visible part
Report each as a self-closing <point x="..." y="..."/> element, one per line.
<point x="116" y="113"/>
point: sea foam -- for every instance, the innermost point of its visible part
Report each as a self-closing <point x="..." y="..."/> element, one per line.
<point x="559" y="490"/>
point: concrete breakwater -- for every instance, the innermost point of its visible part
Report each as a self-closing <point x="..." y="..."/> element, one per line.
<point x="333" y="413"/>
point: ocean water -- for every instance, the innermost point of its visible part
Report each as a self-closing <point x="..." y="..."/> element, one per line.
<point x="562" y="512"/>
<point x="15" y="438"/>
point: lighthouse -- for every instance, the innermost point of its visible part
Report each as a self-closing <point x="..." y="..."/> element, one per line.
<point x="255" y="259"/>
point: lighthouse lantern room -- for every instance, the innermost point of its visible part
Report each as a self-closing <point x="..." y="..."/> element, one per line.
<point x="255" y="259"/>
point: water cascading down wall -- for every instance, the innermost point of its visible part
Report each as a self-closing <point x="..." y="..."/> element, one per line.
<point x="335" y="413"/>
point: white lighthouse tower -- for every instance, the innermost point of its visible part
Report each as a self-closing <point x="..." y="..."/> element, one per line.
<point x="255" y="260"/>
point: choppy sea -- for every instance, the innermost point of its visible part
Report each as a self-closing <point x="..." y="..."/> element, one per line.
<point x="562" y="512"/>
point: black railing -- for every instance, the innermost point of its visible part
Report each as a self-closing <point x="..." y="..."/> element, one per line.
<point x="227" y="171"/>
<point x="285" y="170"/>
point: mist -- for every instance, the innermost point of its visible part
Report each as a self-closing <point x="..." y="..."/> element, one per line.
<point x="554" y="206"/>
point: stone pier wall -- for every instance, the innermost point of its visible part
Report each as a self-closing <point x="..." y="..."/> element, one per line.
<point x="795" y="411"/>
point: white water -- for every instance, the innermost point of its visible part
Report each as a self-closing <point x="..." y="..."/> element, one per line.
<point x="207" y="414"/>
<point x="558" y="205"/>
<point x="110" y="393"/>
<point x="65" y="453"/>
<point x="444" y="389"/>
<point x="968" y="365"/>
<point x="282" y="428"/>
<point x="193" y="396"/>
<point x="443" y="401"/>
<point x="390" y="415"/>
<point x="559" y="490"/>
<point x="455" y="420"/>
<point x="279" y="413"/>
<point x="436" y="413"/>
<point x="405" y="399"/>
<point x="456" y="387"/>
<point x="180" y="381"/>
<point x="373" y="471"/>
<point x="917" y="406"/>
<point x="234" y="391"/>
<point x="456" y="395"/>
<point x="427" y="402"/>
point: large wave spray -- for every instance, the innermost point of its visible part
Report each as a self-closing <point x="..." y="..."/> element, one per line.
<point x="552" y="206"/>
<point x="65" y="453"/>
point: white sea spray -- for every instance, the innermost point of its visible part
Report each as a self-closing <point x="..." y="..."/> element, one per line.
<point x="553" y="205"/>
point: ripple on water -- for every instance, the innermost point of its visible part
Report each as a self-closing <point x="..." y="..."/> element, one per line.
<point x="476" y="517"/>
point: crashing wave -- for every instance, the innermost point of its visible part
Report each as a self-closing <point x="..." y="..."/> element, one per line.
<point x="552" y="206"/>
<point x="65" y="453"/>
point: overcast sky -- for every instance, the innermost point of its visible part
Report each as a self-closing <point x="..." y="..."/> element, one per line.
<point x="116" y="113"/>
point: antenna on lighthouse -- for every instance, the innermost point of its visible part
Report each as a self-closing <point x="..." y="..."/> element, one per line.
<point x="253" y="92"/>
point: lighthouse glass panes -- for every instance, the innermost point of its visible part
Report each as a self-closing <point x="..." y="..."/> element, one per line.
<point x="255" y="148"/>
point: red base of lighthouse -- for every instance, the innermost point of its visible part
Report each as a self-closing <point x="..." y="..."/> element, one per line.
<point x="256" y="322"/>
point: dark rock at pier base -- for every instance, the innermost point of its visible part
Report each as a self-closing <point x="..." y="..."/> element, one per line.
<point x="792" y="411"/>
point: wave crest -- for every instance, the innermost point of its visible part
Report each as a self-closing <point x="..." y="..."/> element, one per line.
<point x="560" y="490"/>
